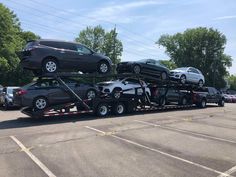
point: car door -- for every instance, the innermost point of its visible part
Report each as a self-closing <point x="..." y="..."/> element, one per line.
<point x="190" y="75"/>
<point x="151" y="67"/>
<point x="211" y="95"/>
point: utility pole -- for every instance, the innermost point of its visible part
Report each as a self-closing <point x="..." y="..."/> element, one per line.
<point x="114" y="44"/>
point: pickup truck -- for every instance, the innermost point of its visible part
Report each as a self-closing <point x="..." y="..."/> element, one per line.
<point x="208" y="95"/>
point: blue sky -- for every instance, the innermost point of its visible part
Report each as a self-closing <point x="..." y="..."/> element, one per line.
<point x="139" y="23"/>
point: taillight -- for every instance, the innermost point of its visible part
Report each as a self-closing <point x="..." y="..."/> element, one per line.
<point x="21" y="92"/>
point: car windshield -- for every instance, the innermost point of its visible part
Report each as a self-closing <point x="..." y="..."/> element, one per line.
<point x="182" y="69"/>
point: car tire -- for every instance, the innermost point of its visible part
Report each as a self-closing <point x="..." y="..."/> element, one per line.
<point x="102" y="110"/>
<point x="50" y="66"/>
<point x="40" y="103"/>
<point x="164" y="76"/>
<point x="202" y="104"/>
<point x="162" y="101"/>
<point x="103" y="67"/>
<point x="200" y="83"/>
<point x="183" y="79"/>
<point x="91" y="94"/>
<point x="136" y="69"/>
<point x="184" y="101"/>
<point x="118" y="109"/>
<point x="117" y="93"/>
<point x="221" y="103"/>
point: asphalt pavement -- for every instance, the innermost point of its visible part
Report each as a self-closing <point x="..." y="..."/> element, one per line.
<point x="179" y="143"/>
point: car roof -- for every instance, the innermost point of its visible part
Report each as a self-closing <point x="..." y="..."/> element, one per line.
<point x="55" y="40"/>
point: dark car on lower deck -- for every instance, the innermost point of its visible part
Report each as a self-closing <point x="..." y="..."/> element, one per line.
<point x="45" y="92"/>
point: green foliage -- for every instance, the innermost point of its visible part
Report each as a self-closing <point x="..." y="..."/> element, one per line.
<point x="232" y="82"/>
<point x="202" y="48"/>
<point x="102" y="42"/>
<point x="169" y="64"/>
<point x="12" y="40"/>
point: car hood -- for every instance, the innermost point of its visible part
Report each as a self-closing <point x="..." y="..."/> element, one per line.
<point x="106" y="83"/>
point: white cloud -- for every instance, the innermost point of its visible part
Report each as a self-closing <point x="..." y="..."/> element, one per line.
<point x="226" y="17"/>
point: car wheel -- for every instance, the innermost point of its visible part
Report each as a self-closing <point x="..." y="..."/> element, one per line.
<point x="40" y="103"/>
<point x="50" y="66"/>
<point x="200" y="83"/>
<point x="184" y="101"/>
<point x="118" y="109"/>
<point x="102" y="110"/>
<point x="136" y="69"/>
<point x="202" y="104"/>
<point x="162" y="101"/>
<point x="183" y="79"/>
<point x="91" y="94"/>
<point x="221" y="103"/>
<point x="117" y="93"/>
<point x="103" y="67"/>
<point x="164" y="76"/>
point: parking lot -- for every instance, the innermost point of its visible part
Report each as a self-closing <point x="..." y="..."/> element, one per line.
<point x="193" y="142"/>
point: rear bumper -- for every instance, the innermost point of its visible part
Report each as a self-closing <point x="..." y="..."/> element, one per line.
<point x="30" y="63"/>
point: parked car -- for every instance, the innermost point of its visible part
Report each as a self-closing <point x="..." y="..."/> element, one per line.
<point x="6" y="97"/>
<point x="50" y="56"/>
<point x="228" y="98"/>
<point x="188" y="75"/>
<point x="46" y="92"/>
<point x="206" y="95"/>
<point x="233" y="98"/>
<point x="123" y="86"/>
<point x="180" y="97"/>
<point x="146" y="66"/>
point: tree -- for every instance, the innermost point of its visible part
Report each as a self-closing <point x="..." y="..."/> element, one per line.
<point x="102" y="42"/>
<point x="169" y="64"/>
<point x="12" y="40"/>
<point x="232" y="82"/>
<point x="202" y="48"/>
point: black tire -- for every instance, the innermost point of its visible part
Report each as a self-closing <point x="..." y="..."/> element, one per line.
<point x="91" y="94"/>
<point x="103" y="67"/>
<point x="164" y="76"/>
<point x="6" y="105"/>
<point x="202" y="104"/>
<point x="184" y="101"/>
<point x="118" y="109"/>
<point x="183" y="79"/>
<point x="162" y="101"/>
<point x="117" y="93"/>
<point x="221" y="103"/>
<point x="40" y="103"/>
<point x="50" y="66"/>
<point x="102" y="110"/>
<point x="136" y="69"/>
<point x="200" y="83"/>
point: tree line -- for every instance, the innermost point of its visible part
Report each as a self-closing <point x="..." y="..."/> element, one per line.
<point x="202" y="48"/>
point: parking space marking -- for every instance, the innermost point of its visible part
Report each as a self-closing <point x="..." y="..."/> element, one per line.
<point x="186" y="131"/>
<point x="229" y="172"/>
<point x="33" y="157"/>
<point x="158" y="151"/>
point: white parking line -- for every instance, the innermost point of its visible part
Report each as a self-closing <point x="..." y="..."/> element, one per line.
<point x="158" y="151"/>
<point x="229" y="172"/>
<point x="34" y="158"/>
<point x="186" y="131"/>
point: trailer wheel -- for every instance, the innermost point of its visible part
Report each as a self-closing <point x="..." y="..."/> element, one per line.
<point x="202" y="104"/>
<point x="40" y="103"/>
<point x="221" y="103"/>
<point x="118" y="109"/>
<point x="102" y="110"/>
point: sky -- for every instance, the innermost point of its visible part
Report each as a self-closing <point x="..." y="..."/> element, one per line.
<point x="139" y="23"/>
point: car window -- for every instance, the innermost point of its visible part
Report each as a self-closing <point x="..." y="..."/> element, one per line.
<point x="47" y="83"/>
<point x="193" y="70"/>
<point x="69" y="46"/>
<point x="82" y="49"/>
<point x="55" y="44"/>
<point x="151" y="62"/>
<point x="30" y="45"/>
<point x="131" y="81"/>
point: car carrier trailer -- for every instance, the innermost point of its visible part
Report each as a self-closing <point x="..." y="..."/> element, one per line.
<point x="103" y="104"/>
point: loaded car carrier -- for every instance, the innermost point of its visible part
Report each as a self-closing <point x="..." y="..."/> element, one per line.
<point x="104" y="103"/>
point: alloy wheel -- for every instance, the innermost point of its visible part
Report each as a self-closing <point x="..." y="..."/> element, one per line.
<point x="51" y="66"/>
<point x="40" y="103"/>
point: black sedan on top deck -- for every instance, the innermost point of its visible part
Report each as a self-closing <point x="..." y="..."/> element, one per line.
<point x="146" y="66"/>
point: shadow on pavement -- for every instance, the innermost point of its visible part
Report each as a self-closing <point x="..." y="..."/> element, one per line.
<point x="29" y="122"/>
